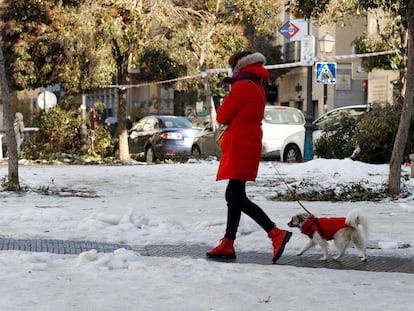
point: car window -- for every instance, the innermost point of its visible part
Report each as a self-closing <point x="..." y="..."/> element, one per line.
<point x="150" y="124"/>
<point x="139" y="126"/>
<point x="169" y="123"/>
<point x="175" y="123"/>
<point x="328" y="120"/>
<point x="332" y="119"/>
<point x="283" y="116"/>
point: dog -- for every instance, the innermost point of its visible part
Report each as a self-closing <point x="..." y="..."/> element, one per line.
<point x="353" y="228"/>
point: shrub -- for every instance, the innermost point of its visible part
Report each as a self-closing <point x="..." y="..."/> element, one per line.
<point x="373" y="132"/>
<point x="376" y="133"/>
<point x="336" y="141"/>
<point x="60" y="133"/>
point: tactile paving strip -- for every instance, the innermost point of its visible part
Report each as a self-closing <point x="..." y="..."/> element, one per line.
<point x="57" y="246"/>
<point x="374" y="264"/>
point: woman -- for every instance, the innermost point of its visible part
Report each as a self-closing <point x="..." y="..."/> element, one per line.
<point x="242" y="112"/>
<point x="18" y="126"/>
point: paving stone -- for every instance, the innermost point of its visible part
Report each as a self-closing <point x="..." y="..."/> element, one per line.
<point x="374" y="263"/>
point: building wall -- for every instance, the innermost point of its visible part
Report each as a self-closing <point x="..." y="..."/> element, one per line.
<point x="347" y="91"/>
<point x="349" y="87"/>
<point x="380" y="85"/>
<point x="351" y="78"/>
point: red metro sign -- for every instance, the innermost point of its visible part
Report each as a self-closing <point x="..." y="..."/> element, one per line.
<point x="289" y="30"/>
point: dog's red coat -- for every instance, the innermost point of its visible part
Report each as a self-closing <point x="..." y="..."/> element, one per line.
<point x="326" y="227"/>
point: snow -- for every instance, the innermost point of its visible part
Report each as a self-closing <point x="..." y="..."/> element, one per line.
<point x="176" y="204"/>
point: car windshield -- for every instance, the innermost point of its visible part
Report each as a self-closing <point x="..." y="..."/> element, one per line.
<point x="283" y="116"/>
<point x="174" y="122"/>
<point x="333" y="119"/>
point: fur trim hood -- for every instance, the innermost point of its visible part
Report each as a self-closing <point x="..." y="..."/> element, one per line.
<point x="249" y="60"/>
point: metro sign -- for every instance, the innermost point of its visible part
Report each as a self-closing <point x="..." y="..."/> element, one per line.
<point x="289" y="30"/>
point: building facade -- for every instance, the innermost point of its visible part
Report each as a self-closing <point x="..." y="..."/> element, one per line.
<point x="353" y="86"/>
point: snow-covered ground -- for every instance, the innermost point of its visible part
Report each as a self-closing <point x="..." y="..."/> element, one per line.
<point x="183" y="204"/>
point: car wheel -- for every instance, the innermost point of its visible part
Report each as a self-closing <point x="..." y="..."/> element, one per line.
<point x="149" y="155"/>
<point x="292" y="154"/>
<point x="196" y="152"/>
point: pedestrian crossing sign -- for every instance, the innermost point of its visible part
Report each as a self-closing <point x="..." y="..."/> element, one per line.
<point x="325" y="73"/>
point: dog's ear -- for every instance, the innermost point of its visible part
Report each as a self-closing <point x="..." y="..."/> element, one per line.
<point x="302" y="217"/>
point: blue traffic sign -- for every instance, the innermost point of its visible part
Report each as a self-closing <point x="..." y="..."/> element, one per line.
<point x="326" y="73"/>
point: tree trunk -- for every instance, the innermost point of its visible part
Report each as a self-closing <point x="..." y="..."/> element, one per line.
<point x="124" y="79"/>
<point x="394" y="186"/>
<point x="122" y="130"/>
<point x="8" y="118"/>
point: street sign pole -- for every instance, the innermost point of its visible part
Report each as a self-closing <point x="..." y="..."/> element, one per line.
<point x="309" y="127"/>
<point x="307" y="59"/>
<point x="291" y="31"/>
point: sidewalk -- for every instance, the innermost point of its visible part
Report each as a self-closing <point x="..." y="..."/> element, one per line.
<point x="374" y="264"/>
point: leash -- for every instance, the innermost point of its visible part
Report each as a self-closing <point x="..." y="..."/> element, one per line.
<point x="295" y="197"/>
<point x="292" y="193"/>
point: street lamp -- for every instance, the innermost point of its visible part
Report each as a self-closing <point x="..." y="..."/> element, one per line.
<point x="326" y="45"/>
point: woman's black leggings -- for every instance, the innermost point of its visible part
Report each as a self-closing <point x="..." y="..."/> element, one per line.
<point x="237" y="202"/>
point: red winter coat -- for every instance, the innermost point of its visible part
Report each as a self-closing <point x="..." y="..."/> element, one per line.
<point x="242" y="111"/>
<point x="326" y="227"/>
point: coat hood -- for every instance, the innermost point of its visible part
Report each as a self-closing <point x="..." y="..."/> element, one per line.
<point x="249" y="60"/>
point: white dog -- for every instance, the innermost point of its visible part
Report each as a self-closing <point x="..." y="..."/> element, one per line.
<point x="342" y="230"/>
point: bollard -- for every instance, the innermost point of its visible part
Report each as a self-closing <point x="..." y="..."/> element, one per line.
<point x="412" y="164"/>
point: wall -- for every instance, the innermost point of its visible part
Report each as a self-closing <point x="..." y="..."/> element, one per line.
<point x="349" y="87"/>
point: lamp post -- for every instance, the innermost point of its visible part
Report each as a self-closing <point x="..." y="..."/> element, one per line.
<point x="326" y="45"/>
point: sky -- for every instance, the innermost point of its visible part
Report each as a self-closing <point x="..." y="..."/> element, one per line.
<point x="182" y="204"/>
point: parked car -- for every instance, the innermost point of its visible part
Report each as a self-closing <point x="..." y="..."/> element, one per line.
<point x="161" y="137"/>
<point x="332" y="117"/>
<point x="283" y="136"/>
<point x="204" y="145"/>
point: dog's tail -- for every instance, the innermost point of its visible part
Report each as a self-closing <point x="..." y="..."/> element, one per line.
<point x="356" y="220"/>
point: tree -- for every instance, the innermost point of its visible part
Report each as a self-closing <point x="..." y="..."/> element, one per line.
<point x="213" y="30"/>
<point x="79" y="44"/>
<point x="90" y="44"/>
<point x="13" y="174"/>
<point x="399" y="33"/>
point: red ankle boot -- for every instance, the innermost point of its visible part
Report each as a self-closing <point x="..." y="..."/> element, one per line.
<point x="279" y="240"/>
<point x="224" y="250"/>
